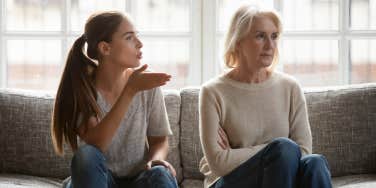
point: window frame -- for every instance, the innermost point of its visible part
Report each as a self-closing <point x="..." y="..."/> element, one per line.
<point x="66" y="34"/>
<point x="204" y="39"/>
<point x="3" y="72"/>
<point x="343" y="35"/>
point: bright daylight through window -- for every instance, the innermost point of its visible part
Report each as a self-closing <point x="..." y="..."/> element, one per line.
<point x="325" y="42"/>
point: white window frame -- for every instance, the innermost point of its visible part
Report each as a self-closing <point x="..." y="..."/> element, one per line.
<point x="3" y="72"/>
<point x="195" y="40"/>
<point x="194" y="37"/>
<point x="344" y="35"/>
<point x="204" y="55"/>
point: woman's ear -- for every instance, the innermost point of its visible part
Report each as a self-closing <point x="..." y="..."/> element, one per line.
<point x="104" y="48"/>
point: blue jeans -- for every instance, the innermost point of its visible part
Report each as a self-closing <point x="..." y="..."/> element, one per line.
<point x="279" y="164"/>
<point x="89" y="170"/>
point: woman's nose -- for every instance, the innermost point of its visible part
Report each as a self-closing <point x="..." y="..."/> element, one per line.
<point x="270" y="43"/>
<point x="139" y="43"/>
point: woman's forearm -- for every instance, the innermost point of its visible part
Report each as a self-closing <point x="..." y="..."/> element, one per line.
<point x="101" y="134"/>
<point x="158" y="147"/>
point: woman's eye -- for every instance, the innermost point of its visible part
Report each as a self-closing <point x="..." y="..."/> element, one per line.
<point x="128" y="38"/>
<point x="260" y="36"/>
<point x="274" y="36"/>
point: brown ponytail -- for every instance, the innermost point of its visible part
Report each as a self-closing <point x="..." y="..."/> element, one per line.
<point x="76" y="94"/>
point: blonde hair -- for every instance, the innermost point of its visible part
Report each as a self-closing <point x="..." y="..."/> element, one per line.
<point x="240" y="26"/>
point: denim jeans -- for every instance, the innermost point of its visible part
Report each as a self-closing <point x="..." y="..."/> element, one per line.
<point x="280" y="165"/>
<point x="89" y="170"/>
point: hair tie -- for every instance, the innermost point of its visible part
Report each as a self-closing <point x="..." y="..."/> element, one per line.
<point x="84" y="37"/>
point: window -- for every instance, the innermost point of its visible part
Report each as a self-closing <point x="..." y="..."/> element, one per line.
<point x="325" y="42"/>
<point x="37" y="35"/>
<point x="310" y="49"/>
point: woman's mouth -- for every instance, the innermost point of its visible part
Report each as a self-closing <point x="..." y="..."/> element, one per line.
<point x="266" y="55"/>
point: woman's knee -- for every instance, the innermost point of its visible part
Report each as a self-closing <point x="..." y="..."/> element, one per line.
<point x="160" y="176"/>
<point x="286" y="149"/>
<point x="157" y="176"/>
<point x="86" y="157"/>
<point x="286" y="145"/>
<point x="314" y="162"/>
<point x="159" y="170"/>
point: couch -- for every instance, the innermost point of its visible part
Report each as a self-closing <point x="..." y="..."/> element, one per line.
<point x="343" y="123"/>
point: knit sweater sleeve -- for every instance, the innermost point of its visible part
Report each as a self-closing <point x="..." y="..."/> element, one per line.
<point x="220" y="161"/>
<point x="300" y="130"/>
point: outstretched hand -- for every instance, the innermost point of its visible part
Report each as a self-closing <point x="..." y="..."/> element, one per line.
<point x="140" y="80"/>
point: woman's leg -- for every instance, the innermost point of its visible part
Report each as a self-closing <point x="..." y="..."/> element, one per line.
<point x="247" y="174"/>
<point x="280" y="163"/>
<point x="314" y="172"/>
<point x="89" y="170"/>
<point x="157" y="177"/>
<point x="274" y="166"/>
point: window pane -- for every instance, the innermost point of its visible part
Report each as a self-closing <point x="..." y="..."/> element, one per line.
<point x="70" y="43"/>
<point x="220" y="55"/>
<point x="162" y="15"/>
<point x="168" y="55"/>
<point x="363" y="61"/>
<point x="363" y="15"/>
<point x="36" y="15"/>
<point x="312" y="62"/>
<point x="302" y="15"/>
<point x="226" y="9"/>
<point x="33" y="64"/>
<point x="82" y="9"/>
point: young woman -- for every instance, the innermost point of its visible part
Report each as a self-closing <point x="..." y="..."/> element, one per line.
<point x="118" y="115"/>
<point x="254" y="126"/>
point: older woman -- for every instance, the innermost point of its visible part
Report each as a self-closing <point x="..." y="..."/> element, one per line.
<point x="254" y="126"/>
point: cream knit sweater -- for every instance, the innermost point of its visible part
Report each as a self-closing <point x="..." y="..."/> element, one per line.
<point x="251" y="115"/>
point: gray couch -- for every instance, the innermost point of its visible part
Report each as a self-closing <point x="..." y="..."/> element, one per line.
<point x="343" y="123"/>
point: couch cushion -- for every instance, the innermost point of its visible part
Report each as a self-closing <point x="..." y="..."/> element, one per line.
<point x="20" y="181"/>
<point x="355" y="181"/>
<point x="25" y="141"/>
<point x="343" y="127"/>
<point x="192" y="183"/>
<point x="342" y="121"/>
<point x="172" y="100"/>
<point x="191" y="152"/>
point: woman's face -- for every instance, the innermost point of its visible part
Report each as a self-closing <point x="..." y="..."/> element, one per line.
<point x="257" y="49"/>
<point x="125" y="47"/>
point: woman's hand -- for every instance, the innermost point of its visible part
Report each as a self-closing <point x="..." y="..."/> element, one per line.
<point x="223" y="139"/>
<point x="140" y="80"/>
<point x="163" y="163"/>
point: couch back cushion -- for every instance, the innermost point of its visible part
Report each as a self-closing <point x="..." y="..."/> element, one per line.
<point x="173" y="102"/>
<point x="342" y="122"/>
<point x="191" y="151"/>
<point x="25" y="139"/>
